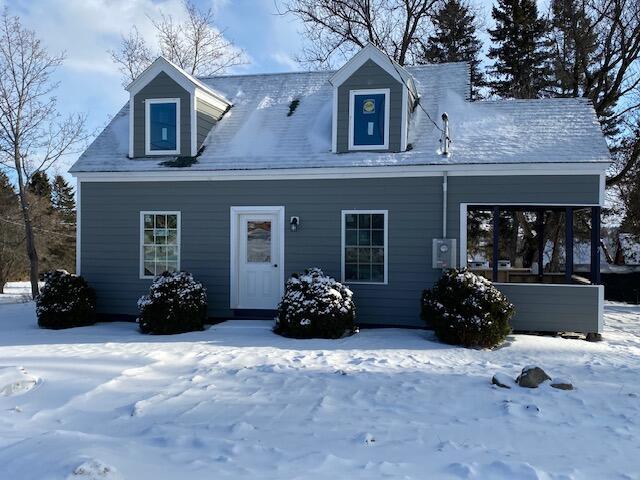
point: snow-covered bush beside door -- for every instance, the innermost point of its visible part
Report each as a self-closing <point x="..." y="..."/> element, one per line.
<point x="315" y="306"/>
<point x="176" y="303"/>
<point x="66" y="301"/>
<point x="466" y="309"/>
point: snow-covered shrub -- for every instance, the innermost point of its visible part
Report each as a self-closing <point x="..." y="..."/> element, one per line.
<point x="315" y="306"/>
<point x="176" y="303"/>
<point x="466" y="309"/>
<point x="65" y="301"/>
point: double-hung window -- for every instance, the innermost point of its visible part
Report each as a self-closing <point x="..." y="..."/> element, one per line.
<point x="159" y="243"/>
<point x="162" y="126"/>
<point x="364" y="246"/>
<point x="369" y="119"/>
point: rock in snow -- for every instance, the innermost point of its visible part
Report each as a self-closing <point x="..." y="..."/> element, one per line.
<point x="94" y="470"/>
<point x="502" y="380"/>
<point x="562" y="384"/>
<point x="531" y="377"/>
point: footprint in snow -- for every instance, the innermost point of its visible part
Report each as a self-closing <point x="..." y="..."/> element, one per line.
<point x="521" y="410"/>
<point x="94" y="469"/>
<point x="366" y="439"/>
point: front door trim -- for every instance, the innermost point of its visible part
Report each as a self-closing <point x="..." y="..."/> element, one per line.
<point x="234" y="257"/>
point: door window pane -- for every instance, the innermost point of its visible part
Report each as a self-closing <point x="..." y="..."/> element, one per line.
<point x="366" y="263"/>
<point x="259" y="242"/>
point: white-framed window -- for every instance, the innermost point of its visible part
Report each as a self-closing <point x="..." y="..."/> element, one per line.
<point x="159" y="243"/>
<point x="162" y="126"/>
<point x="369" y="119"/>
<point x="365" y="246"/>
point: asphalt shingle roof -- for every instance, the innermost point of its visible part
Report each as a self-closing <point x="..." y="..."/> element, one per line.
<point x="257" y="133"/>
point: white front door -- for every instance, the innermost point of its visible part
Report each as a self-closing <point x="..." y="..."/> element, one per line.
<point x="259" y="266"/>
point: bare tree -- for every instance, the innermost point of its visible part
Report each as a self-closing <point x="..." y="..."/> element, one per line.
<point x="132" y="57"/>
<point x="335" y="29"/>
<point x="596" y="49"/>
<point x="33" y="135"/>
<point x="195" y="44"/>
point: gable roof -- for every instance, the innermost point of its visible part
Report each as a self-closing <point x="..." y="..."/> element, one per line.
<point x="371" y="52"/>
<point x="257" y="134"/>
<point x="179" y="75"/>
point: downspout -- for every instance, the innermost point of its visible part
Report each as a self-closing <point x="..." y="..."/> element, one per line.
<point x="444" y="204"/>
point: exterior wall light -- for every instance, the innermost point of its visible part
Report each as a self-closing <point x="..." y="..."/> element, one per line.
<point x="293" y="223"/>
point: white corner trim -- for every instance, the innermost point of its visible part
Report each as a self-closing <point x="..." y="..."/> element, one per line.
<point x="334" y="122"/>
<point x="387" y="107"/>
<point x="78" y="226"/>
<point x="142" y="276"/>
<point x="194" y="126"/>
<point x="600" y="308"/>
<point x="404" y="127"/>
<point x="343" y="246"/>
<point x="603" y="189"/>
<point x="131" y="124"/>
<point x="234" y="243"/>
<point x="147" y="126"/>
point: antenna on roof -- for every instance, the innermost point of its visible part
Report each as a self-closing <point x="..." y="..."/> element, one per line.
<point x="445" y="140"/>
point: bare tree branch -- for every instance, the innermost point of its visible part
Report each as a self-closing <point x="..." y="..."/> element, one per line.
<point x="336" y="29"/>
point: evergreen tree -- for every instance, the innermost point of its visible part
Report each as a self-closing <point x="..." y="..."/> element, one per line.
<point x="521" y="68"/>
<point x="10" y="232"/>
<point x="455" y="40"/>
<point x="62" y="199"/>
<point x="39" y="185"/>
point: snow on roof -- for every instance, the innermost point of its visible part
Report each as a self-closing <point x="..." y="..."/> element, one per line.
<point x="257" y="133"/>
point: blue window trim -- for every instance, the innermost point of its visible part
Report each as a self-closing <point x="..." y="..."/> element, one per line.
<point x="147" y="136"/>
<point x="376" y="91"/>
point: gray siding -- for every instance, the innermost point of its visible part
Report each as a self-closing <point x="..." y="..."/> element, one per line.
<point x="207" y="115"/>
<point x="553" y="308"/>
<point x="162" y="86"/>
<point x="370" y="75"/>
<point x="110" y="230"/>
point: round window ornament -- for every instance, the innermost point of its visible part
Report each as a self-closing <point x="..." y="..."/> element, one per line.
<point x="369" y="106"/>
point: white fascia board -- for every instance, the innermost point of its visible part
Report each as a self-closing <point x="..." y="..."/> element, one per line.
<point x="173" y="175"/>
<point x="369" y="52"/>
<point x="182" y="78"/>
<point x="213" y="100"/>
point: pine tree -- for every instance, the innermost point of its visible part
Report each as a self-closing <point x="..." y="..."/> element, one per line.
<point x="10" y="232"/>
<point x="455" y="40"/>
<point x="521" y="68"/>
<point x="62" y="199"/>
<point x="39" y="185"/>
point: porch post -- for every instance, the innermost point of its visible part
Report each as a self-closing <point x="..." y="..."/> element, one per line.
<point x="496" y="240"/>
<point x="540" y="228"/>
<point x="568" y="244"/>
<point x="595" y="245"/>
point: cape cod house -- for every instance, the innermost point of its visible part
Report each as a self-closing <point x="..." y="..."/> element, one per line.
<point x="244" y="179"/>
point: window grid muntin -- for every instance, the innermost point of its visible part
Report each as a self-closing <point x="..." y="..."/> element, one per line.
<point x="160" y="241"/>
<point x="364" y="247"/>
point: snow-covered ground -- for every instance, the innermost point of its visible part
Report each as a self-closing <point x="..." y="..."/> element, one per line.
<point x="237" y="401"/>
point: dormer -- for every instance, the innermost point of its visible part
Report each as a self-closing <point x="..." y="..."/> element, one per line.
<point x="373" y="98"/>
<point x="171" y="112"/>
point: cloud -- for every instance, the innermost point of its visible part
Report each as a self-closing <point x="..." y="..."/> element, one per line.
<point x="285" y="60"/>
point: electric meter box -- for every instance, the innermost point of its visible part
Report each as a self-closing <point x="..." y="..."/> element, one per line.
<point x="444" y="253"/>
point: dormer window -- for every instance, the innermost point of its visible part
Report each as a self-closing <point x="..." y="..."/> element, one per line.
<point x="162" y="120"/>
<point x="369" y="119"/>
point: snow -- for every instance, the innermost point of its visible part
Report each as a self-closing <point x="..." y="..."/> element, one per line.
<point x="237" y="401"/>
<point x="630" y="249"/>
<point x="257" y="133"/>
